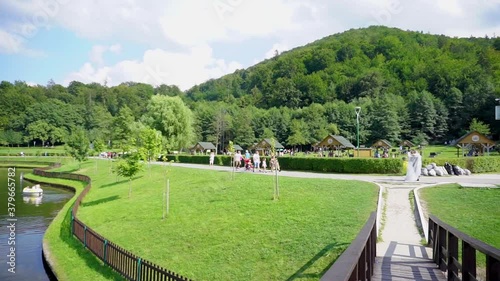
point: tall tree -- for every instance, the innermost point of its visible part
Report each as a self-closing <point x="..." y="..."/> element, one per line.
<point x="172" y="118"/>
<point x="78" y="145"/>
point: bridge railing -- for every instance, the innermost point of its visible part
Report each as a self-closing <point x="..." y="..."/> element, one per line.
<point x="444" y="240"/>
<point x="357" y="261"/>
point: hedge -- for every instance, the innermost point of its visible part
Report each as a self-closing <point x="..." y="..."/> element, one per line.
<point x="330" y="165"/>
<point x="483" y="164"/>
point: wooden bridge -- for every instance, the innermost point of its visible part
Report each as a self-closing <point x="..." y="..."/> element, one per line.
<point x="400" y="255"/>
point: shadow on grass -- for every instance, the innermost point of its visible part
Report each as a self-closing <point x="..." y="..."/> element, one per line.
<point x="100" y="201"/>
<point x="329" y="249"/>
<point x="113" y="183"/>
<point x="91" y="261"/>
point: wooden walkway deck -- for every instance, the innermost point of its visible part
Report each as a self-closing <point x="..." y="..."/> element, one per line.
<point x="404" y="262"/>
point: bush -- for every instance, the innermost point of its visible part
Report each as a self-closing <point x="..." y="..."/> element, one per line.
<point x="330" y="165"/>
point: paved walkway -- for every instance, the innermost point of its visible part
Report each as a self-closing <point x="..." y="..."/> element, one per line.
<point x="400" y="255"/>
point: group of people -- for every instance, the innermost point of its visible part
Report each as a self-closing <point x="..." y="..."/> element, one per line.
<point x="252" y="162"/>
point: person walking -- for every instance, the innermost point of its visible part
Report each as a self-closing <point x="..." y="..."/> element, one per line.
<point x="264" y="165"/>
<point x="212" y="158"/>
<point x="256" y="161"/>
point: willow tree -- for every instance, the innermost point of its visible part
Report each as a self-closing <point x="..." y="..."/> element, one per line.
<point x="172" y="118"/>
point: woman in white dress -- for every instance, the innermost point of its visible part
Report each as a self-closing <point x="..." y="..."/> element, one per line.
<point x="414" y="168"/>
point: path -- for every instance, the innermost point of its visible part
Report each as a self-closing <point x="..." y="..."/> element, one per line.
<point x="400" y="255"/>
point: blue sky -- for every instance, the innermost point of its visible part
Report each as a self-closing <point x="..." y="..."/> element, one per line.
<point x="188" y="42"/>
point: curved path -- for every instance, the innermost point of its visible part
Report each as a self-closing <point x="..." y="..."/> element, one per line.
<point x="400" y="253"/>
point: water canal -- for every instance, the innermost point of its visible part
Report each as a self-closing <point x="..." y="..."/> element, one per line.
<point x="25" y="224"/>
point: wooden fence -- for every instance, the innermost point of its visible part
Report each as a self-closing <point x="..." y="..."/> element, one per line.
<point x="444" y="241"/>
<point x="357" y="261"/>
<point x="122" y="261"/>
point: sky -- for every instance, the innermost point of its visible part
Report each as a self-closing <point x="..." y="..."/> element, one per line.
<point x="186" y="42"/>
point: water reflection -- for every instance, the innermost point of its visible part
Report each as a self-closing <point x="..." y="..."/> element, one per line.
<point x="33" y="215"/>
<point x="35" y="200"/>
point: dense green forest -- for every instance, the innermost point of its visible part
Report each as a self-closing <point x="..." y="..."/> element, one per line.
<point x="409" y="85"/>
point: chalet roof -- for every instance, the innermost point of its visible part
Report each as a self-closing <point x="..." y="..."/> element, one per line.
<point x="266" y="144"/>
<point x="382" y="143"/>
<point x="338" y="141"/>
<point x="407" y="143"/>
<point x="203" y="146"/>
<point x="474" y="137"/>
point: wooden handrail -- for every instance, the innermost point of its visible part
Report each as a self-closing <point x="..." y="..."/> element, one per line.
<point x="358" y="259"/>
<point x="444" y="241"/>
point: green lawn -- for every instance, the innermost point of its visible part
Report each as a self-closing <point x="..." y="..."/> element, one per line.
<point x="31" y="149"/>
<point x="473" y="211"/>
<point x="223" y="229"/>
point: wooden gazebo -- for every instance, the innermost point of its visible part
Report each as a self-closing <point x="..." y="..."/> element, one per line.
<point x="475" y="141"/>
<point x="203" y="147"/>
<point x="407" y="143"/>
<point x="265" y="145"/>
<point x="382" y="144"/>
<point x="332" y="142"/>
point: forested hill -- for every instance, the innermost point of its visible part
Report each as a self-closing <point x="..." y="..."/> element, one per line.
<point x="361" y="63"/>
<point x="430" y="84"/>
<point x="409" y="85"/>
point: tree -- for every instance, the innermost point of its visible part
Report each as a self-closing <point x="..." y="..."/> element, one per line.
<point x="99" y="146"/>
<point x="128" y="168"/>
<point x="150" y="146"/>
<point x="39" y="130"/>
<point x="172" y="118"/>
<point x="122" y="130"/>
<point x="479" y="126"/>
<point x="298" y="133"/>
<point x="77" y="145"/>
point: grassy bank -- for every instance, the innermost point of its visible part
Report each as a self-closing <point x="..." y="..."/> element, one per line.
<point x="70" y="260"/>
<point x="223" y="229"/>
<point x="473" y="211"/>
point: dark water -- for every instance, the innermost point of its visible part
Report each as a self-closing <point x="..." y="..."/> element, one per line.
<point x="31" y="217"/>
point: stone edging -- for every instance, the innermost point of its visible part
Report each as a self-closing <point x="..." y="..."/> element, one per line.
<point x="424" y="224"/>
<point x="379" y="207"/>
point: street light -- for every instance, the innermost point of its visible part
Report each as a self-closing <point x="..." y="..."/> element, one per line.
<point x="358" y="110"/>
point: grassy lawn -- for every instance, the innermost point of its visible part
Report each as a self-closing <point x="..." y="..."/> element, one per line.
<point x="31" y="149"/>
<point x="223" y="229"/>
<point x="473" y="211"/>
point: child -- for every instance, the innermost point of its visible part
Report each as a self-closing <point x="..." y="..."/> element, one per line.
<point x="264" y="165"/>
<point x="212" y="157"/>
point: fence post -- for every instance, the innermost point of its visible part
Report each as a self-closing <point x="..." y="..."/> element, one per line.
<point x="72" y="222"/>
<point x="139" y="269"/>
<point x="85" y="236"/>
<point x="468" y="262"/>
<point x="105" y="258"/>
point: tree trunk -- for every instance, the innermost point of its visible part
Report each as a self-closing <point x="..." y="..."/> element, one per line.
<point x="129" y="187"/>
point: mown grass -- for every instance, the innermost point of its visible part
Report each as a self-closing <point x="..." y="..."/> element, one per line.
<point x="69" y="259"/>
<point x="223" y="229"/>
<point x="474" y="211"/>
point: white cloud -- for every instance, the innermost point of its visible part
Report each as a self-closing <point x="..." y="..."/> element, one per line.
<point x="14" y="44"/>
<point x="158" y="66"/>
<point x="97" y="52"/>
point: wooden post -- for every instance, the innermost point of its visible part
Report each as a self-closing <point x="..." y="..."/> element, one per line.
<point x="492" y="268"/>
<point x="441" y="243"/>
<point x="168" y="195"/>
<point x="468" y="262"/>
<point x="452" y="257"/>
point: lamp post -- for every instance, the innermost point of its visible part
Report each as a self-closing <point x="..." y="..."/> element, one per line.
<point x="358" y="110"/>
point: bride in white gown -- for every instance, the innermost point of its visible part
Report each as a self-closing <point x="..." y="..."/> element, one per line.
<point x="414" y="168"/>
